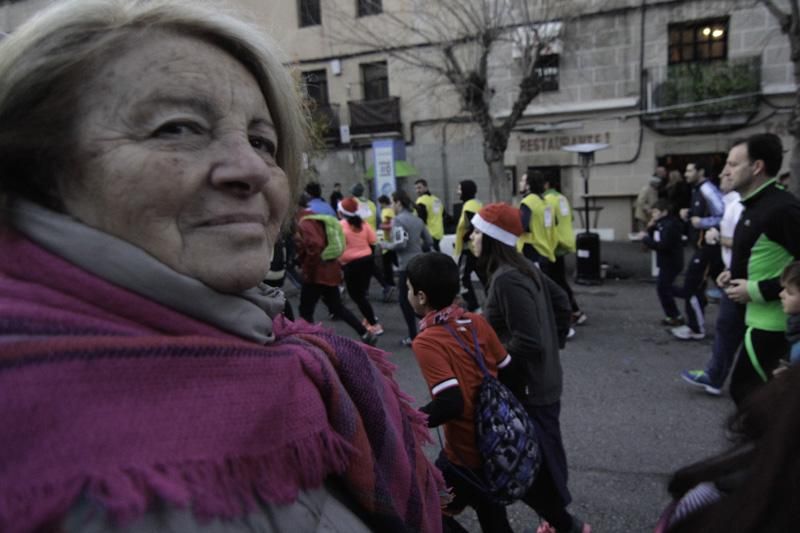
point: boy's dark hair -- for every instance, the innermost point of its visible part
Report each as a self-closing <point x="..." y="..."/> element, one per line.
<point x="314" y="189"/>
<point x="384" y="200"/>
<point x="421" y="181"/>
<point x="662" y="204"/>
<point x="791" y="275"/>
<point x="436" y="275"/>
<point x="768" y="148"/>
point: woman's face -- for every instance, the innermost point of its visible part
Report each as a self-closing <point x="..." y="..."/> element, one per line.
<point x="477" y="241"/>
<point x="176" y="155"/>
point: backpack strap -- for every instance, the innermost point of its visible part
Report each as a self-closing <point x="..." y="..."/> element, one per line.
<point x="476" y="354"/>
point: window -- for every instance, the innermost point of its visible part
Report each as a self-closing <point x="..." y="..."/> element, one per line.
<point x="375" y="78"/>
<point x="309" y="13"/>
<point x="315" y="83"/>
<point x="369" y="7"/>
<point x="697" y="41"/>
<point x="547" y="70"/>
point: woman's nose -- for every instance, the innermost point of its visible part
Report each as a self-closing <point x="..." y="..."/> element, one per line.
<point x="239" y="168"/>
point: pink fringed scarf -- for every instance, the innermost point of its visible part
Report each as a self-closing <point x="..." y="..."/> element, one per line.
<point x="109" y="395"/>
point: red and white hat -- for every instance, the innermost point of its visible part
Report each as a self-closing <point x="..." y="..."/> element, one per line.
<point x="349" y="206"/>
<point x="499" y="221"/>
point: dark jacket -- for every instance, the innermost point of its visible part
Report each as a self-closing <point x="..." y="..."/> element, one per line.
<point x="665" y="237"/>
<point x="527" y="314"/>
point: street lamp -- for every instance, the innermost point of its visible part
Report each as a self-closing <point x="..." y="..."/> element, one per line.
<point x="587" y="244"/>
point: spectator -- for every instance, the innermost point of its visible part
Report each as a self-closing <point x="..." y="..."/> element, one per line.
<point x="646" y="198"/>
<point x="150" y="152"/>
<point x="677" y="191"/>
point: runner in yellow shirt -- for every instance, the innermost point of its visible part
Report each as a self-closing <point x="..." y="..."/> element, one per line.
<point x="565" y="245"/>
<point x="540" y="240"/>
<point x="431" y="210"/>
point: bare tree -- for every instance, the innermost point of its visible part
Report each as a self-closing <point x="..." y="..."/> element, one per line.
<point x="789" y="20"/>
<point x="461" y="43"/>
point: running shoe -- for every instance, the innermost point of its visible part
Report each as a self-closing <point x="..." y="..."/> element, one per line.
<point x="701" y="379"/>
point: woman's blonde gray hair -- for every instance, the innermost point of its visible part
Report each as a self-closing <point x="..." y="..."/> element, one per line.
<point x="46" y="63"/>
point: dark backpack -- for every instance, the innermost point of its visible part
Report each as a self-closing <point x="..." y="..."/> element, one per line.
<point x="505" y="435"/>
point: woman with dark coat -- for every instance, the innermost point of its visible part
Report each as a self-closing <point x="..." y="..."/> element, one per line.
<point x="531" y="315"/>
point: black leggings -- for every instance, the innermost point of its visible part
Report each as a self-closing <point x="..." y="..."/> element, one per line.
<point x="357" y="275"/>
<point x="558" y="273"/>
<point x="468" y="264"/>
<point x="310" y="295"/>
<point x="405" y="307"/>
<point x="769" y="347"/>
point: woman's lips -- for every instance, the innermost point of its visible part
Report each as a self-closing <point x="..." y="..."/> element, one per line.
<point x="234" y="218"/>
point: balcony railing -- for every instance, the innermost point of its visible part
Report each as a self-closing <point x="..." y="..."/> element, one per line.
<point x="704" y="97"/>
<point x="375" y="116"/>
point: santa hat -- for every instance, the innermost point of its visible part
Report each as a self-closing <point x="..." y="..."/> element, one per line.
<point x="349" y="206"/>
<point x="499" y="221"/>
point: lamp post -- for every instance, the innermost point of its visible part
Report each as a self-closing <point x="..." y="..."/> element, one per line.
<point x="587" y="262"/>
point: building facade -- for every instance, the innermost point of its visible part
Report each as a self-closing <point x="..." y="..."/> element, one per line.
<point x="662" y="82"/>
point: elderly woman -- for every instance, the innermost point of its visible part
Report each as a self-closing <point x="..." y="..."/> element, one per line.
<point x="148" y="158"/>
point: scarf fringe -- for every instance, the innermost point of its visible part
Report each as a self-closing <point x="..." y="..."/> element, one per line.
<point x="212" y="489"/>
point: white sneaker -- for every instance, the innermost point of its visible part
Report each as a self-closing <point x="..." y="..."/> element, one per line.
<point x="570" y="333"/>
<point x="686" y="334"/>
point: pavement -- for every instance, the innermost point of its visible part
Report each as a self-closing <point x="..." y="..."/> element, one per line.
<point x="628" y="420"/>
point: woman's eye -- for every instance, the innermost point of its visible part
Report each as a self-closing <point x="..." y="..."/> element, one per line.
<point x="176" y="129"/>
<point x="263" y="144"/>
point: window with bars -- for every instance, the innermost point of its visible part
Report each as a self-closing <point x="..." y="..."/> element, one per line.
<point x="547" y="70"/>
<point x="698" y="41"/>
<point x="369" y="7"/>
<point x="309" y="13"/>
<point x="375" y="77"/>
<point x="315" y="83"/>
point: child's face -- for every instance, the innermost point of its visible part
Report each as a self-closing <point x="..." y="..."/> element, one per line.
<point x="790" y="298"/>
<point x="413" y="298"/>
<point x="658" y="213"/>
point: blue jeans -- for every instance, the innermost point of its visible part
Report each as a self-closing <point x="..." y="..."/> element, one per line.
<point x="729" y="334"/>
